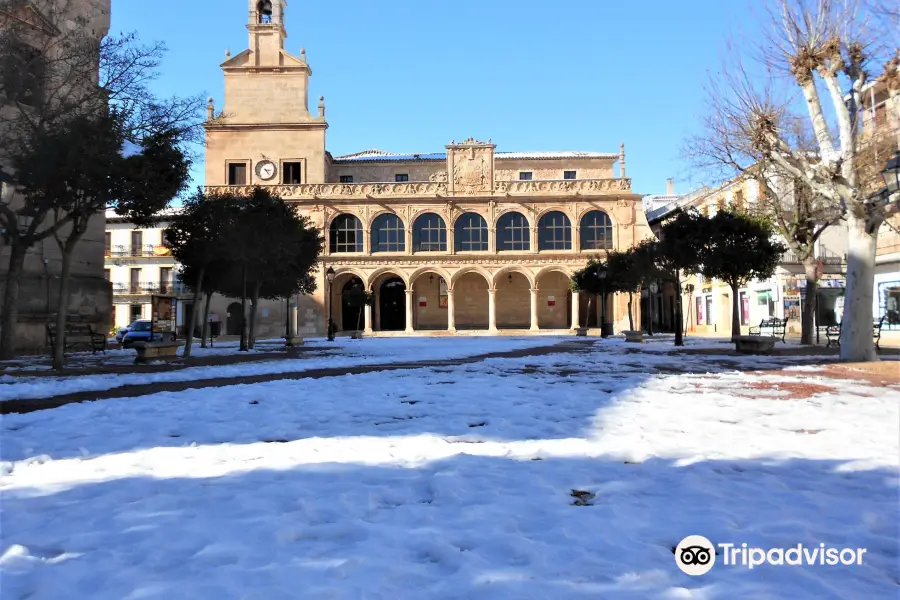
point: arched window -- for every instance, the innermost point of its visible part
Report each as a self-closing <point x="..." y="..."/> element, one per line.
<point x="429" y="234"/>
<point x="513" y="232"/>
<point x="388" y="234"/>
<point x="346" y="234"/>
<point x="596" y="231"/>
<point x="471" y="233"/>
<point x="554" y="232"/>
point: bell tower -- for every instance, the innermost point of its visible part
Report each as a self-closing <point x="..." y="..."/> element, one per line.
<point x="267" y="33"/>
<point x="265" y="118"/>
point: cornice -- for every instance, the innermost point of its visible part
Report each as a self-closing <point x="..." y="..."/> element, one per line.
<point x="222" y="127"/>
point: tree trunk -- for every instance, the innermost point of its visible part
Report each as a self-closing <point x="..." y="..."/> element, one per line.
<point x="679" y="313"/>
<point x="254" y="301"/>
<point x="735" y="311"/>
<point x="856" y="324"/>
<point x="205" y="333"/>
<point x="62" y="305"/>
<point x="809" y="307"/>
<point x="9" y="317"/>
<point x="243" y="347"/>
<point x="630" y="318"/>
<point x="192" y="317"/>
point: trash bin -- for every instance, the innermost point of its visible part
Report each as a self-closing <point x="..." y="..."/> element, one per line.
<point x="215" y="329"/>
<point x="606" y="330"/>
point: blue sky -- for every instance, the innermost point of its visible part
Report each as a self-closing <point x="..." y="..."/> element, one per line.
<point x="407" y="75"/>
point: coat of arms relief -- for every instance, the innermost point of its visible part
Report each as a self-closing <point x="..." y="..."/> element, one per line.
<point x="472" y="167"/>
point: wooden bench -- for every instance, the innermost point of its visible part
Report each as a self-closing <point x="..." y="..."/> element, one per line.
<point x="754" y="344"/>
<point x="777" y="326"/>
<point x="78" y="335"/>
<point x="833" y="334"/>
<point x="147" y="351"/>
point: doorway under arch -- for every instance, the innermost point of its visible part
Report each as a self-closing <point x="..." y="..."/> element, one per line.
<point x="351" y="316"/>
<point x="233" y="323"/>
<point x="392" y="305"/>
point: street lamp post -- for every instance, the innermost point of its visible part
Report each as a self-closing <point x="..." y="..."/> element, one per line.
<point x="601" y="275"/>
<point x="329" y="275"/>
<point x="653" y="289"/>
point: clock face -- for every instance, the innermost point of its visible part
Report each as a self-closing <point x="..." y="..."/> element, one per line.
<point x="266" y="169"/>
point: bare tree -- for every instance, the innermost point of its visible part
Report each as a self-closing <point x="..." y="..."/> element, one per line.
<point x="724" y="151"/>
<point x="822" y="51"/>
<point x="58" y="67"/>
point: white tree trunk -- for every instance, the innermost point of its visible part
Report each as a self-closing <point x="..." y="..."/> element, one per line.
<point x="856" y="324"/>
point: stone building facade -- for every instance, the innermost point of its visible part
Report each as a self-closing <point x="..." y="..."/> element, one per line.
<point x="465" y="239"/>
<point x="90" y="300"/>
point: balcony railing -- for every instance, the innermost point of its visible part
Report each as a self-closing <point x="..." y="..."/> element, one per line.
<point x="313" y="191"/>
<point x="789" y="258"/>
<point x="145" y="288"/>
<point x="148" y="250"/>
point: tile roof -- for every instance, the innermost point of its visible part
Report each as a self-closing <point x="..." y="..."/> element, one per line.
<point x="382" y="156"/>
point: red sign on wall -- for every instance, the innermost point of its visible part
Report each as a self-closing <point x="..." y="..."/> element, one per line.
<point x="423" y="303"/>
<point x="551" y="300"/>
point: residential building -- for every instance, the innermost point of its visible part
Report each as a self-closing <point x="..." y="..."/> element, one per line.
<point x="881" y="122"/>
<point x="35" y="24"/>
<point x="467" y="238"/>
<point x="707" y="304"/>
<point x="139" y="265"/>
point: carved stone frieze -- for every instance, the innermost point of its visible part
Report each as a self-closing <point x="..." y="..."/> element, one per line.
<point x="472" y="177"/>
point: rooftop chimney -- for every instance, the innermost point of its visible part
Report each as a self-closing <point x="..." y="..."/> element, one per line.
<point x="670" y="187"/>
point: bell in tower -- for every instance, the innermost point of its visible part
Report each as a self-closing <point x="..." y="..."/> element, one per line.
<point x="264" y="12"/>
<point x="267" y="12"/>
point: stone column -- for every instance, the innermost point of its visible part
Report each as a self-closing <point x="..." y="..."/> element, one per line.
<point x="451" y="307"/>
<point x="367" y="242"/>
<point x="368" y="318"/>
<point x="576" y="310"/>
<point x="492" y="310"/>
<point x="409" y="311"/>
<point x="534" y="309"/>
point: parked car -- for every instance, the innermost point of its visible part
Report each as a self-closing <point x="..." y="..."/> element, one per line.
<point x="139" y="331"/>
<point x="120" y="334"/>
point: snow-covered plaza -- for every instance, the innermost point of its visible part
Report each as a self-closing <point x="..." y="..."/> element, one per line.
<point x="572" y="473"/>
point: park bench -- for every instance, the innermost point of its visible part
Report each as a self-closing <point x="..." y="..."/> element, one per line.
<point x="78" y="336"/>
<point x="754" y="344"/>
<point x="778" y="327"/>
<point x="833" y="334"/>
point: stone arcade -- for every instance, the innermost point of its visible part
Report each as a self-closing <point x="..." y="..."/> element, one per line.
<point x="466" y="239"/>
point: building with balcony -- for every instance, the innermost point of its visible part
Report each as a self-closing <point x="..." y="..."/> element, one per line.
<point x="466" y="238"/>
<point x="139" y="265"/>
<point x="881" y="125"/>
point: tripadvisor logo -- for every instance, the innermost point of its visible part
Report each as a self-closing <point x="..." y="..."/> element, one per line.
<point x="696" y="555"/>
